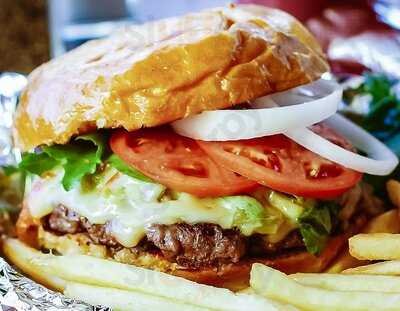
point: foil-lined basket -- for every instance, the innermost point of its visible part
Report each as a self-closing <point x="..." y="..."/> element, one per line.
<point x="11" y="85"/>
<point x="19" y="293"/>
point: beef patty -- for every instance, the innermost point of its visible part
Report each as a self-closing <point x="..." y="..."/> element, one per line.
<point x="197" y="245"/>
<point x="191" y="246"/>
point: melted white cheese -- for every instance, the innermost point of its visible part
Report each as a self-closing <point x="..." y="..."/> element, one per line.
<point x="128" y="204"/>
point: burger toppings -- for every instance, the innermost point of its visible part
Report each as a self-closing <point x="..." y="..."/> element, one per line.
<point x="120" y="209"/>
<point x="272" y="114"/>
<point x="191" y="246"/>
<point x="195" y="201"/>
<point x="79" y="158"/>
<point x="199" y="245"/>
<point x="247" y="124"/>
<point x="212" y="169"/>
<point x="281" y="164"/>
<point x="382" y="160"/>
<point x="273" y="161"/>
<point x="177" y="162"/>
<point x="131" y="205"/>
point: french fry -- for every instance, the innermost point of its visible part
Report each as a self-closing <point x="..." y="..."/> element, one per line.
<point x="105" y="273"/>
<point x="343" y="262"/>
<point x="381" y="268"/>
<point x="388" y="222"/>
<point x="276" y="285"/>
<point x="346" y="282"/>
<point x="24" y="258"/>
<point x="104" y="276"/>
<point x="393" y="189"/>
<point x="247" y="290"/>
<point x="375" y="246"/>
<point x="122" y="300"/>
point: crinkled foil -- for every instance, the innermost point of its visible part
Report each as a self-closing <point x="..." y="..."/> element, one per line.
<point x="11" y="85"/>
<point x="18" y="293"/>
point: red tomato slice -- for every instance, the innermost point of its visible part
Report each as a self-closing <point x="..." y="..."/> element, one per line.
<point x="177" y="162"/>
<point x="283" y="165"/>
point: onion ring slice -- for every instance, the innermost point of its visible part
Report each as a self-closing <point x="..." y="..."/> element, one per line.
<point x="381" y="161"/>
<point x="299" y="107"/>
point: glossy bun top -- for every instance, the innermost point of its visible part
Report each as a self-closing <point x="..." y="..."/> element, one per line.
<point x="151" y="74"/>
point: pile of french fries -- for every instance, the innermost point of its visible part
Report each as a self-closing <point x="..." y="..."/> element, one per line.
<point x="126" y="287"/>
<point x="351" y="283"/>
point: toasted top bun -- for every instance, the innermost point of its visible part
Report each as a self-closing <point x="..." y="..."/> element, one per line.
<point x="151" y="74"/>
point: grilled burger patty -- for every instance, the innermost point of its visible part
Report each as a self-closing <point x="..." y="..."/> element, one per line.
<point x="195" y="246"/>
<point x="190" y="246"/>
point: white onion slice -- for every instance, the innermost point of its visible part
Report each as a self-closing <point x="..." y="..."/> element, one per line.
<point x="382" y="160"/>
<point x="297" y="109"/>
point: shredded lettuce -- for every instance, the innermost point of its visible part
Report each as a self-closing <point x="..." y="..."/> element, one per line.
<point x="289" y="206"/>
<point x="250" y="216"/>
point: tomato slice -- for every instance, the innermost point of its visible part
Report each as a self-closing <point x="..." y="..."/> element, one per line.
<point x="283" y="165"/>
<point x="177" y="162"/>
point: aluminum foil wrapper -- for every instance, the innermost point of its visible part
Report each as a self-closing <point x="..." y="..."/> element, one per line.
<point x="19" y="293"/>
<point x="11" y="85"/>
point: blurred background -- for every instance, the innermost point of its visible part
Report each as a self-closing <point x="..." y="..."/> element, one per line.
<point x="356" y="34"/>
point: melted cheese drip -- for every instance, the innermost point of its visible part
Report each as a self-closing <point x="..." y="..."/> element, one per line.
<point x="129" y="205"/>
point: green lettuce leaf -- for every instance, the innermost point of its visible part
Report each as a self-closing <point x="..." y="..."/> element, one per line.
<point x="9" y="169"/>
<point x="317" y="223"/>
<point x="124" y="168"/>
<point x="78" y="158"/>
<point x="314" y="240"/>
<point x="383" y="117"/>
<point x="37" y="163"/>
<point x="319" y="217"/>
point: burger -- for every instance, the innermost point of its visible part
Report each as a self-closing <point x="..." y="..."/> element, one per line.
<point x="119" y="165"/>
